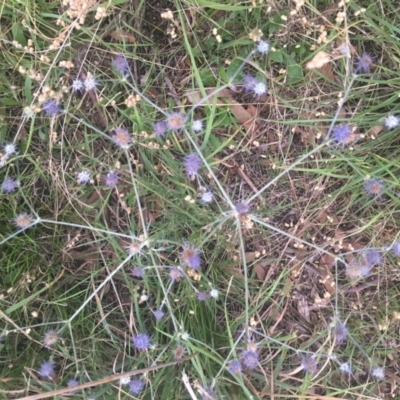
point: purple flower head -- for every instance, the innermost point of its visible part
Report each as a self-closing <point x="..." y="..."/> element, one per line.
<point x="250" y="359"/>
<point x="136" y="386"/>
<point x="235" y="367"/>
<point x="111" y="179"/>
<point x="159" y="314"/>
<point x="263" y="46"/>
<point x="137" y="271"/>
<point x="46" y="370"/>
<point x="364" y="63"/>
<point x="72" y="383"/>
<point x="309" y="364"/>
<point x="260" y="88"/>
<point x="122" y="138"/>
<point x="197" y="125"/>
<point x="342" y="134"/>
<point x="378" y="373"/>
<point x="396" y="248"/>
<point x="121" y="65"/>
<point x="141" y="341"/>
<point x="51" y="108"/>
<point x="176" y="121"/>
<point x="242" y="208"/>
<point x="345" y="368"/>
<point x="90" y="82"/>
<point x="10" y="149"/>
<point x="202" y="296"/>
<point x="391" y="121"/>
<point x="373" y="257"/>
<point x="340" y="332"/>
<point x="160" y="128"/>
<point x="206" y="196"/>
<point x="248" y="83"/>
<point x="9" y="185"/>
<point x="175" y="274"/>
<point x="192" y="164"/>
<point x="374" y="186"/>
<point x="77" y="85"/>
<point x="190" y="256"/>
<point x="83" y="177"/>
<point x="23" y="220"/>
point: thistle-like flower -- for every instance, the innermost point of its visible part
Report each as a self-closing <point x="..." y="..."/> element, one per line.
<point x="242" y="208"/>
<point x="192" y="164"/>
<point x="46" y="370"/>
<point x="260" y="88"/>
<point x="90" y="82"/>
<point x="263" y="46"/>
<point x="137" y="271"/>
<point x="83" y="177"/>
<point x="72" y="383"/>
<point x="159" y="314"/>
<point x="23" y="220"/>
<point x="9" y="185"/>
<point x="248" y="83"/>
<point x="176" y="121"/>
<point x="364" y="63"/>
<point x="136" y="386"/>
<point x="373" y="257"/>
<point x="111" y="179"/>
<point x="160" y="128"/>
<point x="121" y="65"/>
<point x="206" y="196"/>
<point x="374" y="187"/>
<point x="357" y="268"/>
<point x="309" y="364"/>
<point x="50" y="338"/>
<point x="340" y="332"/>
<point x="391" y="121"/>
<point x="190" y="256"/>
<point x="235" y="367"/>
<point x="122" y="138"/>
<point x="141" y="341"/>
<point x="10" y="149"/>
<point x="202" y="296"/>
<point x="197" y="125"/>
<point x="345" y="368"/>
<point x="250" y="359"/>
<point x="178" y="353"/>
<point x="175" y="274"/>
<point x="378" y="373"/>
<point x="51" y="108"/>
<point x="77" y="85"/>
<point x="342" y="134"/>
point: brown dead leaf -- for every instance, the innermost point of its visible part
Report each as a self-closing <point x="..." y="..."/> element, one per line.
<point x="123" y="36"/>
<point x="260" y="271"/>
<point x="328" y="72"/>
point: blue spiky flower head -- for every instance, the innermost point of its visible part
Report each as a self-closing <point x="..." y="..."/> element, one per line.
<point x="141" y="341"/>
<point x="374" y="187"/>
<point x="121" y="65"/>
<point x="192" y="164"/>
<point x="343" y="134"/>
<point x="191" y="256"/>
<point x="51" y="108"/>
<point x="46" y="370"/>
<point x="136" y="386"/>
<point x="364" y="62"/>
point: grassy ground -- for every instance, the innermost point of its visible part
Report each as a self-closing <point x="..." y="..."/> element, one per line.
<point x="285" y="286"/>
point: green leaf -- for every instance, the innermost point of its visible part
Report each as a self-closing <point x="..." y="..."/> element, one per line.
<point x="294" y="73"/>
<point x="276" y="56"/>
